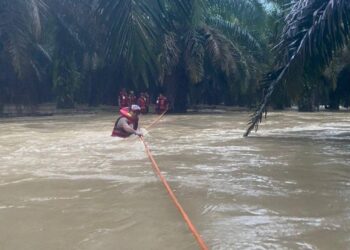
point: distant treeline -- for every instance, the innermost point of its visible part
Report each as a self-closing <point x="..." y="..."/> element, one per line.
<point x="194" y="51"/>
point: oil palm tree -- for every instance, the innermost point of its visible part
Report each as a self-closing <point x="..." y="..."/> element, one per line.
<point x="230" y="39"/>
<point x="313" y="31"/>
<point x="20" y="49"/>
<point x="20" y="29"/>
<point x="177" y="42"/>
<point x="75" y="53"/>
<point x="133" y="32"/>
<point x="43" y="42"/>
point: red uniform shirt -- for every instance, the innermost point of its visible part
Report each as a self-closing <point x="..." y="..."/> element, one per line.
<point x="162" y="104"/>
<point x="123" y="100"/>
<point x="132" y="99"/>
<point x="143" y="104"/>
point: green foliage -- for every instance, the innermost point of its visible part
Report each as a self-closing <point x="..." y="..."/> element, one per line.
<point x="20" y="30"/>
<point x="184" y="33"/>
<point x="132" y="36"/>
<point x="66" y="81"/>
<point x="313" y="31"/>
<point x="212" y="51"/>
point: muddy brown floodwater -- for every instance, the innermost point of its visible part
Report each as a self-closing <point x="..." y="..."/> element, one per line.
<point x="66" y="184"/>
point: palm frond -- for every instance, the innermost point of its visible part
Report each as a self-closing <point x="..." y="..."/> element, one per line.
<point x="213" y="45"/>
<point x="236" y="31"/>
<point x="241" y="9"/>
<point x="20" y="27"/>
<point x="221" y="51"/>
<point x="194" y="56"/>
<point x="235" y="5"/>
<point x="133" y="32"/>
<point x="170" y="55"/>
<point x="189" y="12"/>
<point x="35" y="8"/>
<point x="314" y="30"/>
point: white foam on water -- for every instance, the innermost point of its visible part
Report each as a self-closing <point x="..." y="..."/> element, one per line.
<point x="268" y="192"/>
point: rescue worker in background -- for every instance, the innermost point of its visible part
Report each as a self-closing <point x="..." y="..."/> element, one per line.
<point x="148" y="101"/>
<point x="132" y="98"/>
<point x="123" y="99"/>
<point x="162" y="104"/>
<point x="128" y="122"/>
<point x="142" y="102"/>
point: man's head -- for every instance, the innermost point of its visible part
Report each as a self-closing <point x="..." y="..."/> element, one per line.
<point x="135" y="110"/>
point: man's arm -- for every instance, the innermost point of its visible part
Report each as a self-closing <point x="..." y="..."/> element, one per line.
<point x="129" y="129"/>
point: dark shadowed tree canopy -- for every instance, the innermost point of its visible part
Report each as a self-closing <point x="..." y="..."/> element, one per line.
<point x="313" y="31"/>
<point x="194" y="51"/>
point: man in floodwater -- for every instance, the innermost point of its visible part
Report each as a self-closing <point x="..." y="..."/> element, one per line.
<point x="162" y="104"/>
<point x="127" y="123"/>
<point x="123" y="100"/>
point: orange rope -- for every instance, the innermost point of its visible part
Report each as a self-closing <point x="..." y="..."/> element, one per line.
<point x="149" y="126"/>
<point x="157" y="120"/>
<point x="192" y="228"/>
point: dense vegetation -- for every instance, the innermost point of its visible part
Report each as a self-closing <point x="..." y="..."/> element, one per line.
<point x="196" y="51"/>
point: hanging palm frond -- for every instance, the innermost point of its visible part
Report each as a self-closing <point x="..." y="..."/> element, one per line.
<point x="221" y="51"/>
<point x="314" y="30"/>
<point x="170" y="55"/>
<point x="189" y="12"/>
<point x="244" y="23"/>
<point x="133" y="33"/>
<point x="194" y="56"/>
<point x="238" y="7"/>
<point x="236" y="31"/>
<point x="20" y="28"/>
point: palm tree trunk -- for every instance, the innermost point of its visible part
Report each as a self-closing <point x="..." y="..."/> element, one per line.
<point x="177" y="90"/>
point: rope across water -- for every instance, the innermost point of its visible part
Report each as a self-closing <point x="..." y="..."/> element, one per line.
<point x="189" y="223"/>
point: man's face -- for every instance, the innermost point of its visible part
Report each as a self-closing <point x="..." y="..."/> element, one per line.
<point x="135" y="113"/>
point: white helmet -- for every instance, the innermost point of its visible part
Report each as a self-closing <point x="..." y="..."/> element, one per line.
<point x="135" y="107"/>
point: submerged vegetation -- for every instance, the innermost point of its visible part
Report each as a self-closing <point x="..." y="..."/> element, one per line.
<point x="195" y="51"/>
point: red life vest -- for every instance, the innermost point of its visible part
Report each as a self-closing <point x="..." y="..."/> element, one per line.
<point x="124" y="112"/>
<point x="162" y="104"/>
<point x="143" y="104"/>
<point x="148" y="102"/>
<point x="132" y="99"/>
<point x="147" y="99"/>
<point x="123" y="100"/>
